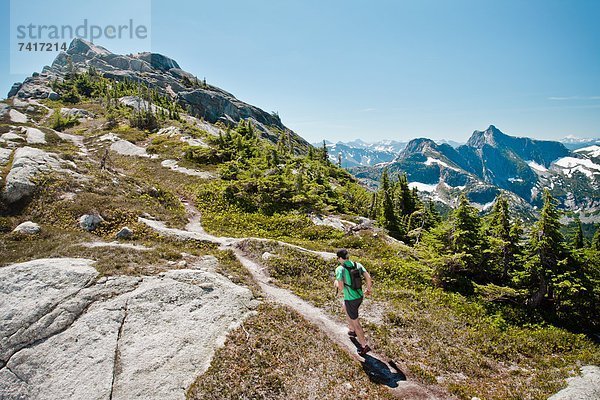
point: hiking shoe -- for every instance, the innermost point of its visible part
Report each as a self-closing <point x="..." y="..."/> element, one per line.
<point x="363" y="350"/>
<point x="351" y="333"/>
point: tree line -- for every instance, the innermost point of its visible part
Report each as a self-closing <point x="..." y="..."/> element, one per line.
<point x="495" y="256"/>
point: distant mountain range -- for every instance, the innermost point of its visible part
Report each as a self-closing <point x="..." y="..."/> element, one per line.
<point x="360" y="153"/>
<point x="491" y="162"/>
<point x="573" y="143"/>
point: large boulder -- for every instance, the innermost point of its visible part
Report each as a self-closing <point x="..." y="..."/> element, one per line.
<point x="34" y="135"/>
<point x="67" y="335"/>
<point x="11" y="137"/>
<point x="28" y="228"/>
<point x="125" y="233"/>
<point x="27" y="163"/>
<point x="127" y="148"/>
<point x="17" y="116"/>
<point x="90" y="222"/>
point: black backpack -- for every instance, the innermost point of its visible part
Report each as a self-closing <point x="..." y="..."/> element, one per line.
<point x="355" y="276"/>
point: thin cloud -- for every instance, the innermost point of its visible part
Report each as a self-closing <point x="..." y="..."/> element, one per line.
<point x="563" y="98"/>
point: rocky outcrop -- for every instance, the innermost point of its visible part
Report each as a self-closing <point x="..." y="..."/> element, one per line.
<point x="11" y="138"/>
<point x="332" y="221"/>
<point x="76" y="113"/>
<point x="18" y="117"/>
<point x="28" y="162"/>
<point x="215" y="105"/>
<point x="584" y="386"/>
<point x="4" y="156"/>
<point x="34" y="136"/>
<point x="66" y="334"/>
<point x="172" y="164"/>
<point x="127" y="148"/>
<point x="35" y="87"/>
<point x="14" y="89"/>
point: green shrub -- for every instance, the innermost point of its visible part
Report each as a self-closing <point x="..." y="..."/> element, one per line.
<point x="60" y="123"/>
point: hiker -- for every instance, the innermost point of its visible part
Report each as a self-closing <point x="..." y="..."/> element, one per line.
<point x="353" y="296"/>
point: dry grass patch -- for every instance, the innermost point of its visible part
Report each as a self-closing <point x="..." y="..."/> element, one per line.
<point x="236" y="272"/>
<point x="277" y="354"/>
<point x="163" y="254"/>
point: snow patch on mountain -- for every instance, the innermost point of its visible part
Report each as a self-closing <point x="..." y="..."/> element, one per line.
<point x="431" y="160"/>
<point x="571" y="164"/>
<point x="423" y="187"/>
<point x="591" y="151"/>
<point x="537" y="167"/>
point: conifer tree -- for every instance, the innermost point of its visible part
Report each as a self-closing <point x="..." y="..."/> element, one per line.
<point x="596" y="240"/>
<point x="503" y="237"/>
<point x="406" y="200"/>
<point x="466" y="236"/>
<point x="546" y="254"/>
<point x="388" y="214"/>
<point x="578" y="238"/>
<point x="431" y="215"/>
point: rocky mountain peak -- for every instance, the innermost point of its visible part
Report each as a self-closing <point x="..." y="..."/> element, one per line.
<point x="157" y="61"/>
<point x="419" y="145"/>
<point x="491" y="136"/>
<point x="161" y="73"/>
<point x="87" y="49"/>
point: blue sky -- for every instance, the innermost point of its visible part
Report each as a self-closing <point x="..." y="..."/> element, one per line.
<point x="342" y="70"/>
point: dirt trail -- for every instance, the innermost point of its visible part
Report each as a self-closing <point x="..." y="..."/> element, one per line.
<point x="335" y="330"/>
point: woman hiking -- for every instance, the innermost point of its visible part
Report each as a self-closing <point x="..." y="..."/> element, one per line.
<point x="349" y="277"/>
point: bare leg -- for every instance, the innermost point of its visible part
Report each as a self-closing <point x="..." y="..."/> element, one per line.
<point x="360" y="333"/>
<point x="355" y="326"/>
<point x="348" y="320"/>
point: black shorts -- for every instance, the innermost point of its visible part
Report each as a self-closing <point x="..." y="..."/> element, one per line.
<point x="352" y="307"/>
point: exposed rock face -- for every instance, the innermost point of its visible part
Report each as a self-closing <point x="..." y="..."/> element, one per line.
<point x="172" y="164"/>
<point x="35" y="136"/>
<point x="4" y="156"/>
<point x="127" y="148"/>
<point x="14" y="89"/>
<point x="34" y="87"/>
<point x="334" y="222"/>
<point x="27" y="163"/>
<point x="66" y="335"/>
<point x="76" y="112"/>
<point x="18" y="117"/>
<point x="28" y="228"/>
<point x="217" y="105"/>
<point x="585" y="386"/>
<point x="11" y="136"/>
